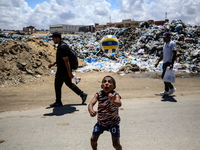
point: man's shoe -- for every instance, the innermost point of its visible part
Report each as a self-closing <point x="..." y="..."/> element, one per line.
<point x="164" y="93"/>
<point x="171" y="91"/>
<point x="56" y="104"/>
<point x="84" y="97"/>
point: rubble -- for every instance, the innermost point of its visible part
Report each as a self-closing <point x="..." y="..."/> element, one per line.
<point x="25" y="59"/>
<point x="142" y="47"/>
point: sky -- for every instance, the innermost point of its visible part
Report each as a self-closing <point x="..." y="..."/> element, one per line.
<point x="16" y="14"/>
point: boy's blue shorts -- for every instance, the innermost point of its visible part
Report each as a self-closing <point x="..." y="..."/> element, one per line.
<point x="99" y="129"/>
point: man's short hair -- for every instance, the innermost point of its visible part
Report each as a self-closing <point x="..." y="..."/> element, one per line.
<point x="56" y="34"/>
<point x="166" y="34"/>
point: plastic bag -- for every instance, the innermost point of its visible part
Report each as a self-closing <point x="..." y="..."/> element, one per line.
<point x="77" y="79"/>
<point x="169" y="75"/>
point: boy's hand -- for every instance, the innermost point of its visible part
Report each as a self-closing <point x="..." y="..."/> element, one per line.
<point x="114" y="99"/>
<point x="111" y="97"/>
<point x="90" y="106"/>
<point x="93" y="113"/>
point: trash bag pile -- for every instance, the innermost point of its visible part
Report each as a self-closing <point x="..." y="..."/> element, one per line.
<point x="138" y="50"/>
<point x="141" y="47"/>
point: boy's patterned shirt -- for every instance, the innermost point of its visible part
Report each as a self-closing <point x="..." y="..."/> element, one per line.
<point x="107" y="112"/>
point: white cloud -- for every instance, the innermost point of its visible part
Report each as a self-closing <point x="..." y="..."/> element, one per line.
<point x="13" y="14"/>
<point x="16" y="14"/>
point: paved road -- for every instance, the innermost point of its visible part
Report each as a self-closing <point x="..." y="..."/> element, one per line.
<point x="170" y="123"/>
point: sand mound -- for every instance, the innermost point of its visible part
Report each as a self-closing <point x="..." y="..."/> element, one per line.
<point x="25" y="61"/>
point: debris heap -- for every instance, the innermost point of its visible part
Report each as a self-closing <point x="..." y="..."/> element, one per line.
<point x="25" y="61"/>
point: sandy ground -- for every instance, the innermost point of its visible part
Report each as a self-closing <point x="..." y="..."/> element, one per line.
<point x="41" y="93"/>
<point x="149" y="121"/>
<point x="45" y="33"/>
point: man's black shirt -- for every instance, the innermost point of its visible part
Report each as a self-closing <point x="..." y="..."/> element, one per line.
<point x="62" y="51"/>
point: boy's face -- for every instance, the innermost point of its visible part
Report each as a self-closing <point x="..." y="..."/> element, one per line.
<point x="107" y="85"/>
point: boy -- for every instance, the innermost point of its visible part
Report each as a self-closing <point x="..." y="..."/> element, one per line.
<point x="108" y="118"/>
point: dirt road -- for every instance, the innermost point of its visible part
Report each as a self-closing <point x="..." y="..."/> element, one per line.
<point x="148" y="121"/>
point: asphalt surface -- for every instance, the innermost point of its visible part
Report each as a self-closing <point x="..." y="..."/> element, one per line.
<point x="169" y="123"/>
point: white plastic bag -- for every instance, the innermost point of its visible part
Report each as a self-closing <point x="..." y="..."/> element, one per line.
<point x="77" y="79"/>
<point x="169" y="75"/>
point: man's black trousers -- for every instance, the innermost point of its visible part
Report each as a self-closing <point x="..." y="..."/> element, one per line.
<point x="61" y="78"/>
<point x="168" y="85"/>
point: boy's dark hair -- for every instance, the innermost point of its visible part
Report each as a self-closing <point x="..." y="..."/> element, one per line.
<point x="114" y="82"/>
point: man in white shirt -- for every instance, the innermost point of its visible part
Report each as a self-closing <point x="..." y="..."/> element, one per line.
<point x="168" y="56"/>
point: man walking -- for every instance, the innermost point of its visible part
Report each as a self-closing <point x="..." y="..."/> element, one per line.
<point x="64" y="71"/>
<point x="169" y="56"/>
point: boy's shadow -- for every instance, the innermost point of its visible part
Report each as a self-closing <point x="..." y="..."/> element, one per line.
<point x="65" y="109"/>
<point x="167" y="98"/>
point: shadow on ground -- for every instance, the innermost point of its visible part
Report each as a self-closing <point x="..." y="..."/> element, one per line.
<point x="65" y="109"/>
<point x="169" y="99"/>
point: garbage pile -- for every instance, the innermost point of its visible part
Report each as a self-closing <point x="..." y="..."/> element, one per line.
<point x="141" y="46"/>
<point x="25" y="59"/>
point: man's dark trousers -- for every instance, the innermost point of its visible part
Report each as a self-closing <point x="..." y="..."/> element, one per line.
<point x="168" y="85"/>
<point x="60" y="78"/>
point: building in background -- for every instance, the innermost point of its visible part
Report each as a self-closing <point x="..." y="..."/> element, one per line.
<point x="71" y="29"/>
<point x="89" y="28"/>
<point x="158" y="23"/>
<point x="128" y="23"/>
<point x="124" y="24"/>
<point x="29" y="29"/>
